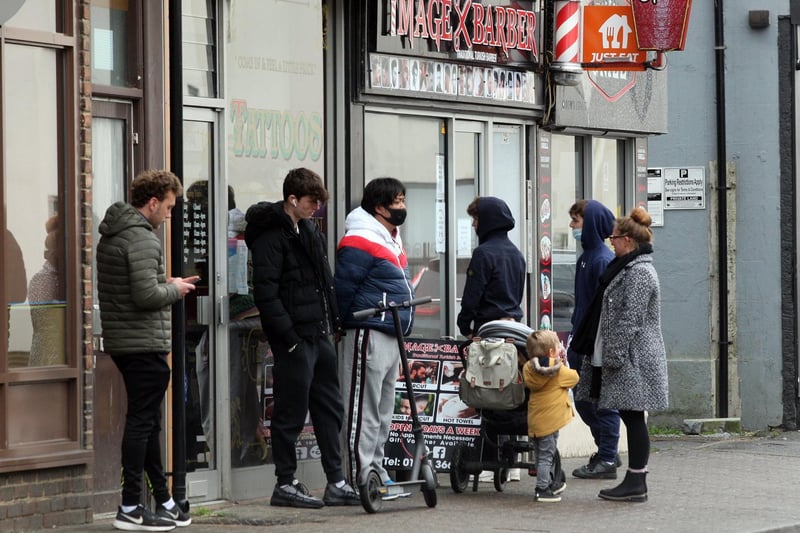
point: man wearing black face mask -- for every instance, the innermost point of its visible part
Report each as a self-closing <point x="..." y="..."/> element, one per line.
<point x="371" y="267"/>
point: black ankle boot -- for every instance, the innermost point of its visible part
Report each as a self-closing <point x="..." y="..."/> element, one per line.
<point x="632" y="489"/>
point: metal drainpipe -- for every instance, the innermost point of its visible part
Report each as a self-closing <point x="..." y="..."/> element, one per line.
<point x="178" y="311"/>
<point x="722" y="212"/>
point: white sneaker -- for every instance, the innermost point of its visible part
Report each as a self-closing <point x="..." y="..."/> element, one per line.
<point x="486" y="476"/>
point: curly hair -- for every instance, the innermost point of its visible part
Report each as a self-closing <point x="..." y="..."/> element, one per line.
<point x="154" y="184"/>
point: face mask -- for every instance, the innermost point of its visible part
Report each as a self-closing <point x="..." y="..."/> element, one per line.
<point x="577" y="234"/>
<point x="396" y="216"/>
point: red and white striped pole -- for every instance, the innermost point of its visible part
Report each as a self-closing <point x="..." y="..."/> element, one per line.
<point x="566" y="63"/>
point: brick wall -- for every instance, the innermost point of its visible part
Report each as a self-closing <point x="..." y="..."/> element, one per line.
<point x="45" y="499"/>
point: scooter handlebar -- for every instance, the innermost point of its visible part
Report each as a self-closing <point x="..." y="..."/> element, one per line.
<point x="372" y="311"/>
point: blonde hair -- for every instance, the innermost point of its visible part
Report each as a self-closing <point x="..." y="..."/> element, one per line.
<point x="540" y="342"/>
<point x="636" y="225"/>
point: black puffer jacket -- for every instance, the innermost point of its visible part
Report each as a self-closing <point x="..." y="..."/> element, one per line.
<point x="132" y="287"/>
<point x="292" y="280"/>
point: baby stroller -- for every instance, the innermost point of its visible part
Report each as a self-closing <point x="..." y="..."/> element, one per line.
<point x="503" y="442"/>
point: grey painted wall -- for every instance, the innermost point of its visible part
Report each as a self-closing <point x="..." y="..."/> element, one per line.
<point x="685" y="250"/>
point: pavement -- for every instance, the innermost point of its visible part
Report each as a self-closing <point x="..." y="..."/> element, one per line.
<point x="719" y="483"/>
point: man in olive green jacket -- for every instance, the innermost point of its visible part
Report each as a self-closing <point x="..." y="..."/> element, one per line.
<point x="135" y="298"/>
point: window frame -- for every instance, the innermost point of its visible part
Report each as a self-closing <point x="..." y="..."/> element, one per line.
<point x="68" y="449"/>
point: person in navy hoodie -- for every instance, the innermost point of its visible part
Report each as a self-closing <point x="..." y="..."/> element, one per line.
<point x="591" y="224"/>
<point x="371" y="267"/>
<point x="496" y="273"/>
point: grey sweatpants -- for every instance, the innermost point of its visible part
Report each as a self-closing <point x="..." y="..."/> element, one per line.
<point x="370" y="366"/>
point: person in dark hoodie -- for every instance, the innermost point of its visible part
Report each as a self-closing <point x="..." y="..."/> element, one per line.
<point x="496" y="273"/>
<point x="293" y="290"/>
<point x="591" y="224"/>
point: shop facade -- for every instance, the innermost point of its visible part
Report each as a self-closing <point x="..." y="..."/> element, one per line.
<point x="455" y="103"/>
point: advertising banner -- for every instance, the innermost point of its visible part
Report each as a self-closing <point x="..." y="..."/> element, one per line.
<point x="435" y="367"/>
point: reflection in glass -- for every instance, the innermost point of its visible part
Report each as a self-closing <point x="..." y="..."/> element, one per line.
<point x="408" y="148"/>
<point x="606" y="177"/>
<point x="565" y="192"/>
<point x="32" y="163"/>
<point x="47" y="304"/>
<point x="196" y="255"/>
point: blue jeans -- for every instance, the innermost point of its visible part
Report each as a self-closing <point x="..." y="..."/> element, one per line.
<point x="604" y="425"/>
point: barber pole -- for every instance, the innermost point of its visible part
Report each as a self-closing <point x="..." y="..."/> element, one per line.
<point x="568" y="31"/>
<point x="566" y="47"/>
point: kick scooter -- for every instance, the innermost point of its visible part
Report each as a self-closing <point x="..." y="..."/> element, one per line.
<point x="374" y="492"/>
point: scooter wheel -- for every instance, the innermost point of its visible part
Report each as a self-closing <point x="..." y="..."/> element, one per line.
<point x="459" y="477"/>
<point x="429" y="487"/>
<point x="500" y="479"/>
<point x="371" y="498"/>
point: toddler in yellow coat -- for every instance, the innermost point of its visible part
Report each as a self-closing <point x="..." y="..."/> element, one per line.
<point x="549" y="379"/>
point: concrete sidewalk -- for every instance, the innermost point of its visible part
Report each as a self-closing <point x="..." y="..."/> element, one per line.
<point x="725" y="483"/>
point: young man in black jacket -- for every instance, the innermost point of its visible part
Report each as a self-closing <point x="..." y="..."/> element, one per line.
<point x="293" y="290"/>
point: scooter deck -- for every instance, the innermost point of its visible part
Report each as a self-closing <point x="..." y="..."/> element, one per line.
<point x="398" y="489"/>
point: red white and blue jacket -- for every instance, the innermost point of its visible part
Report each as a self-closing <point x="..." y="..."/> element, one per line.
<point x="371" y="268"/>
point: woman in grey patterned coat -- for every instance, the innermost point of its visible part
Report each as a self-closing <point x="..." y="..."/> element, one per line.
<point x="627" y="369"/>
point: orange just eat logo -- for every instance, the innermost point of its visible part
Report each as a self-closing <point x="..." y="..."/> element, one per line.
<point x="609" y="37"/>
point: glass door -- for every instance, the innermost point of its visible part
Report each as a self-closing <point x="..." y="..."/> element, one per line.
<point x="468" y="163"/>
<point x="203" y="315"/>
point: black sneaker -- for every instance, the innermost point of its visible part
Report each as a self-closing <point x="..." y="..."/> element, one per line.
<point x="174" y="515"/>
<point x="558" y="486"/>
<point x="140" y="519"/>
<point x="596" y="469"/>
<point x="547" y="496"/>
<point x="294" y="495"/>
<point x="340" y="496"/>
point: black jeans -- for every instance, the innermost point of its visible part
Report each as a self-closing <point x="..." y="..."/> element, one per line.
<point x="306" y="380"/>
<point x="146" y="378"/>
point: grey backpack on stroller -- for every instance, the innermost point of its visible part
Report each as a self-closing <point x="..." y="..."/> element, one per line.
<point x="492" y="379"/>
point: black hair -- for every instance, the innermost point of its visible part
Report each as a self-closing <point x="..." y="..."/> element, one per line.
<point x="381" y="192"/>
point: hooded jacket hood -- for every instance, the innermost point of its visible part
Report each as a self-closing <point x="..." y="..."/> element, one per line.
<point x="121" y="216"/>
<point x="263" y="216"/>
<point x="598" y="224"/>
<point x="494" y="216"/>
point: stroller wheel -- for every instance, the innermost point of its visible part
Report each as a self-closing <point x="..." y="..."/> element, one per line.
<point x="500" y="479"/>
<point x="459" y="477"/>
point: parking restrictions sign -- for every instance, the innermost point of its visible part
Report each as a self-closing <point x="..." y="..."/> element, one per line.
<point x="684" y="188"/>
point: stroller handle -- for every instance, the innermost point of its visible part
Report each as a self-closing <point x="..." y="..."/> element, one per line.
<point x="366" y="313"/>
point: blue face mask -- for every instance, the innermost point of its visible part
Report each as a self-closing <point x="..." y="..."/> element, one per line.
<point x="577" y="234"/>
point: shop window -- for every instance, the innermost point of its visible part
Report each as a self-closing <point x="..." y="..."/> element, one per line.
<point x="39" y="365"/>
<point x="35" y="15"/>
<point x="408" y="148"/>
<point x="115" y="43"/>
<point x="605" y="181"/>
<point x="199" y="48"/>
